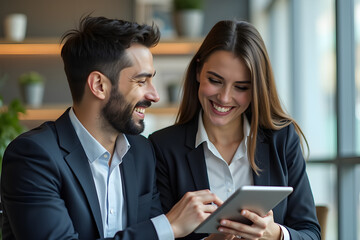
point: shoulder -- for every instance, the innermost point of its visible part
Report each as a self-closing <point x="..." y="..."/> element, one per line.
<point x="138" y="142"/>
<point x="284" y="144"/>
<point x="172" y="135"/>
<point x="168" y="131"/>
<point x="283" y="134"/>
<point x="44" y="133"/>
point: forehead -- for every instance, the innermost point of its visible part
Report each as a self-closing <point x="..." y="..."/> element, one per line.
<point x="140" y="58"/>
<point x="226" y="64"/>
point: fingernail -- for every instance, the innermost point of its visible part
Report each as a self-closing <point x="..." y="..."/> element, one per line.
<point x="223" y="222"/>
<point x="243" y="212"/>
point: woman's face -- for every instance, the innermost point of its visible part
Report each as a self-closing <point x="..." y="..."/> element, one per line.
<point x="225" y="89"/>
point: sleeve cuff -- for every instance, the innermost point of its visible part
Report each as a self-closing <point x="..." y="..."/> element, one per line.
<point x="163" y="227"/>
<point x="285" y="233"/>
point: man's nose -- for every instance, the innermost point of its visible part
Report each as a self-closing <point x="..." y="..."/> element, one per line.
<point x="152" y="95"/>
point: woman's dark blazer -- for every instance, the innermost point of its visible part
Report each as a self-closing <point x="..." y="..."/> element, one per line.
<point x="48" y="191"/>
<point x="181" y="168"/>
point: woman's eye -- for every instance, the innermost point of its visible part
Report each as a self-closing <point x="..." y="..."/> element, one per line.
<point x="214" y="81"/>
<point x="242" y="88"/>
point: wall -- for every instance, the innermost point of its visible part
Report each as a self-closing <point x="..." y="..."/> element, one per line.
<point x="50" y="19"/>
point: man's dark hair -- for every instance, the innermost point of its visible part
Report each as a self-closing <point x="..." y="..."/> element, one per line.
<point x="99" y="45"/>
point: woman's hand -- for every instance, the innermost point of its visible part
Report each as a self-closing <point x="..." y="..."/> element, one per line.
<point x="221" y="236"/>
<point x="261" y="227"/>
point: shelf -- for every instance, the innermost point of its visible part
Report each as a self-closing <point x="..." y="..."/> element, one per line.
<point x="50" y="113"/>
<point x="53" y="47"/>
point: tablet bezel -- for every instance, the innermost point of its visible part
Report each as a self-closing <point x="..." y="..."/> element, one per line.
<point x="259" y="199"/>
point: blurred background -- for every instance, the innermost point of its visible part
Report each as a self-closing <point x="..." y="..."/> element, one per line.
<point x="314" y="47"/>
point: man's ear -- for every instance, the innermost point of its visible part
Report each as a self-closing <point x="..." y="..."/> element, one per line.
<point x="98" y="84"/>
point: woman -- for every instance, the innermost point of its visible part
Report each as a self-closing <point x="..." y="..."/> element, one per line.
<point x="232" y="131"/>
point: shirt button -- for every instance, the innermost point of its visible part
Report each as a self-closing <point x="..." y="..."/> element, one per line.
<point x="229" y="189"/>
<point x="111" y="211"/>
<point x="105" y="155"/>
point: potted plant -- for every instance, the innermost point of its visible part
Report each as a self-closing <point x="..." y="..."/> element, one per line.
<point x="32" y="88"/>
<point x="15" y="27"/>
<point x="174" y="92"/>
<point x="189" y="17"/>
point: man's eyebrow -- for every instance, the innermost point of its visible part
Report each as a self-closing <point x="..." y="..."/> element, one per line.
<point x="222" y="78"/>
<point x="144" y="75"/>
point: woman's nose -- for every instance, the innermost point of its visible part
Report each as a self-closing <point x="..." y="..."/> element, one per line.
<point x="224" y="95"/>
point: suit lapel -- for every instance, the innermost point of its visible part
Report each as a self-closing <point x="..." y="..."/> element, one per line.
<point x="130" y="187"/>
<point x="262" y="159"/>
<point x="196" y="158"/>
<point x="197" y="165"/>
<point x="77" y="161"/>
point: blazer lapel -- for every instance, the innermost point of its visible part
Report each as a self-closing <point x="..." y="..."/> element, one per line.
<point x="197" y="165"/>
<point x="262" y="159"/>
<point x="77" y="161"/>
<point x="130" y="187"/>
<point x="196" y="158"/>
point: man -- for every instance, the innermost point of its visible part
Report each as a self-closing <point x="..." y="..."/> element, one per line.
<point x="89" y="175"/>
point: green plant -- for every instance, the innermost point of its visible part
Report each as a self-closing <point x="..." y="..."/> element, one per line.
<point x="188" y="4"/>
<point x="10" y="126"/>
<point x="31" y="78"/>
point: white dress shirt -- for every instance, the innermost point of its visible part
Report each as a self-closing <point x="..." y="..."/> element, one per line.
<point x="225" y="179"/>
<point x="108" y="182"/>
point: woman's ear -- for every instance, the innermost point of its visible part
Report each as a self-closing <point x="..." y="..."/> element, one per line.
<point x="98" y="84"/>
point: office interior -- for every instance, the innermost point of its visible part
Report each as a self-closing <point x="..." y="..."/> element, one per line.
<point x="314" y="47"/>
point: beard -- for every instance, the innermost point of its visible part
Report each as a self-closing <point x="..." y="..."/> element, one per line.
<point x="119" y="114"/>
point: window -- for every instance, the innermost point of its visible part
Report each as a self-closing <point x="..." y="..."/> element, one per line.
<point x="312" y="47"/>
<point x="357" y="72"/>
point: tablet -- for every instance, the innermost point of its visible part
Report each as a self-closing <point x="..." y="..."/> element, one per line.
<point x="259" y="199"/>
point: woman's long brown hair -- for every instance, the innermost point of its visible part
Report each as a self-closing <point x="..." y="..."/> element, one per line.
<point x="245" y="42"/>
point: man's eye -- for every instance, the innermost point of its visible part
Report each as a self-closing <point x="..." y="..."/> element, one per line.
<point x="142" y="82"/>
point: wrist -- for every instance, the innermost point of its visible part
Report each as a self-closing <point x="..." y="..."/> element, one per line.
<point x="173" y="226"/>
<point x="281" y="233"/>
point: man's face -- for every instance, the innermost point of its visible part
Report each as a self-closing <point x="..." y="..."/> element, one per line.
<point x="125" y="110"/>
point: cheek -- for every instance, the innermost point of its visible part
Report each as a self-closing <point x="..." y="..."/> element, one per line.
<point x="244" y="98"/>
<point x="133" y="96"/>
<point x="206" y="90"/>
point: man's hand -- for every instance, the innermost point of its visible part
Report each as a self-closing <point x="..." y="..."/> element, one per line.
<point x="191" y="210"/>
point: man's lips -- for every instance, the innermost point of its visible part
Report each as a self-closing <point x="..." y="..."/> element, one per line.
<point x="140" y="110"/>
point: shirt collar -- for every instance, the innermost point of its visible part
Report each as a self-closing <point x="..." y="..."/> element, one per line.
<point x="246" y="127"/>
<point x="201" y="135"/>
<point x="93" y="149"/>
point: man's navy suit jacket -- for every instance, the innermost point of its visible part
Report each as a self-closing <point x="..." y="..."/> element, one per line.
<point x="48" y="191"/>
<point x="182" y="168"/>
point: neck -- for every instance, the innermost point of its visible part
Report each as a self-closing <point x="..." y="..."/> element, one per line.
<point x="225" y="135"/>
<point x="97" y="126"/>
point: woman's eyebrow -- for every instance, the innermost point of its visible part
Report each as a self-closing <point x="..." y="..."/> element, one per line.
<point x="222" y="78"/>
<point x="215" y="74"/>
